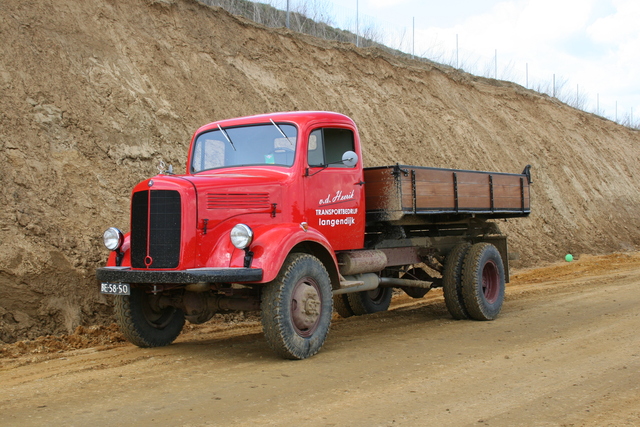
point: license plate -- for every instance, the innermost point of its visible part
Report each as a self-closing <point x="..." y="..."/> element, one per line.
<point x="115" y="288"/>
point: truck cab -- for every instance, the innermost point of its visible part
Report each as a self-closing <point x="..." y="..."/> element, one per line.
<point x="288" y="177"/>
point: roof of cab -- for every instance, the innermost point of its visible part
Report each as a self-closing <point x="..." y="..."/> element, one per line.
<point x="299" y="117"/>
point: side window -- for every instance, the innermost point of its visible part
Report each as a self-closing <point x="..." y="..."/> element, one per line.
<point x="327" y="145"/>
<point x="208" y="154"/>
<point x="316" y="150"/>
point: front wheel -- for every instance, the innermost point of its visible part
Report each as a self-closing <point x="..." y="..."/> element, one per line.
<point x="483" y="282"/>
<point x="297" y="307"/>
<point x="144" y="322"/>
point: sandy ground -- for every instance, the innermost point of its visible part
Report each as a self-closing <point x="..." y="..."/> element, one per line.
<point x="565" y="351"/>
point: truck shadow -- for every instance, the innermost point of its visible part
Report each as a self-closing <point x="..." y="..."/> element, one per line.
<point x="247" y="342"/>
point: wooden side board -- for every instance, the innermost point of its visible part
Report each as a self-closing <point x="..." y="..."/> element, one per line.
<point x="399" y="190"/>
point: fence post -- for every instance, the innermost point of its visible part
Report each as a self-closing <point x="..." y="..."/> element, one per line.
<point x="413" y="38"/>
<point x="357" y="25"/>
<point x="457" y="53"/>
<point x="288" y="26"/>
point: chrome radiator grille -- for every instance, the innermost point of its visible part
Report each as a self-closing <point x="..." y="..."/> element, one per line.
<point x="156" y="218"/>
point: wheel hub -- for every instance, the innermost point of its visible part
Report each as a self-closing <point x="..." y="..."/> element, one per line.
<point x="376" y="295"/>
<point x="305" y="308"/>
<point x="154" y="315"/>
<point x="490" y="282"/>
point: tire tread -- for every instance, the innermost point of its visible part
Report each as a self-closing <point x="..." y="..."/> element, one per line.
<point x="136" y="330"/>
<point x="341" y="305"/>
<point x="478" y="308"/>
<point x="452" y="281"/>
<point x="275" y="325"/>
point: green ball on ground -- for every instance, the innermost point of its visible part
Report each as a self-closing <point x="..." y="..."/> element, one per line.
<point x="568" y="258"/>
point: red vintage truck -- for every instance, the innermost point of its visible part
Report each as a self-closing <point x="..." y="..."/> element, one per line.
<point x="276" y="213"/>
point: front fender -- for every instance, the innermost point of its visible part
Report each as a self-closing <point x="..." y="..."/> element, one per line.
<point x="272" y="244"/>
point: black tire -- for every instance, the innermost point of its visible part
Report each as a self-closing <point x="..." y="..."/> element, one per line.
<point x="341" y="305"/>
<point x="416" y="274"/>
<point x="367" y="302"/>
<point x="145" y="324"/>
<point x="483" y="282"/>
<point x="297" y="307"/>
<point x="452" y="281"/>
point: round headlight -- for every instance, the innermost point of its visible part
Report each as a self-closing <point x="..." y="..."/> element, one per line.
<point x="241" y="236"/>
<point x="113" y="238"/>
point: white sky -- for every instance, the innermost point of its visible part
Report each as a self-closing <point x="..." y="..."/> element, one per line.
<point x="592" y="46"/>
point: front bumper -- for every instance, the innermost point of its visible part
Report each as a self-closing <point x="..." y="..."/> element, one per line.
<point x="196" y="275"/>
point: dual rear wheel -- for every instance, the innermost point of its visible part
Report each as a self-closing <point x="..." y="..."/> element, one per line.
<point x="473" y="281"/>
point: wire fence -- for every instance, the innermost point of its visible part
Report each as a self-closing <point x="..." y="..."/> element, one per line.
<point x="325" y="19"/>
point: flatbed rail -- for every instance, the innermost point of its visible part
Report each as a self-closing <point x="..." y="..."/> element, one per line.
<point x="393" y="192"/>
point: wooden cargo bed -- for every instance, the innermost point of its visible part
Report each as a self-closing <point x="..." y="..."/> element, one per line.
<point x="393" y="192"/>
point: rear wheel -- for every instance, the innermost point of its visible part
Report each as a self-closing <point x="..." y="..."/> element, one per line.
<point x="373" y="301"/>
<point x="452" y="281"/>
<point x="483" y="282"/>
<point x="297" y="307"/>
<point x="144" y="322"/>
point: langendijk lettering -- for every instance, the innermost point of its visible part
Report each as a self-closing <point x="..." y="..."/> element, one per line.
<point x="333" y="222"/>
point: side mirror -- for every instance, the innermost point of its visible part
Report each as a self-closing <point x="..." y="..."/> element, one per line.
<point x="350" y="159"/>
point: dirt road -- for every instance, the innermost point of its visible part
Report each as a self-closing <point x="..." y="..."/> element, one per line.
<point x="565" y="351"/>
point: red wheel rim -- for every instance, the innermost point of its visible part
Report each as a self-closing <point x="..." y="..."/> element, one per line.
<point x="306" y="306"/>
<point x="490" y="281"/>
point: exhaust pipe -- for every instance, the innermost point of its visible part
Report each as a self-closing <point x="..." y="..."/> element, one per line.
<point x="371" y="281"/>
<point x="393" y="282"/>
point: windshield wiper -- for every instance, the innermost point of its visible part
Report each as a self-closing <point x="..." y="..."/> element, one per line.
<point x="280" y="130"/>
<point x="224" y="132"/>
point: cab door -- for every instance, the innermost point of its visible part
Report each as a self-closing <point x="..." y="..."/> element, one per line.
<point x="334" y="190"/>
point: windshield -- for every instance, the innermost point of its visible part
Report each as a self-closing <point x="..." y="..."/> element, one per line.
<point x="245" y="146"/>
